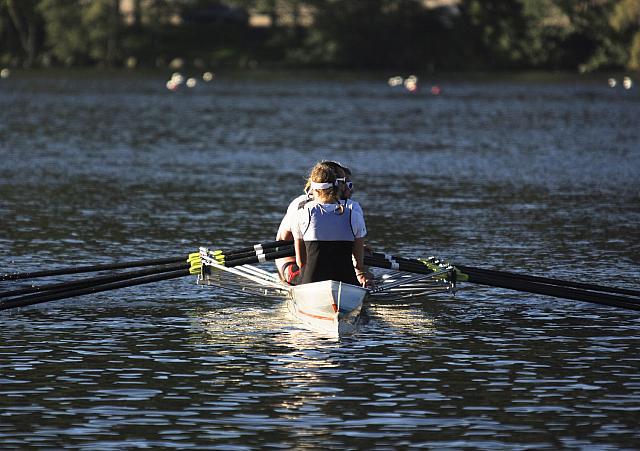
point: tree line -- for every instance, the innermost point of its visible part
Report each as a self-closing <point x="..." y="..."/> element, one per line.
<point x="582" y="35"/>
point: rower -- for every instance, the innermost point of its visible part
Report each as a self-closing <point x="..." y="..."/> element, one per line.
<point x="287" y="267"/>
<point x="329" y="232"/>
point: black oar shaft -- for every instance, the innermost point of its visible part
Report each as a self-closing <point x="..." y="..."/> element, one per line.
<point x="62" y="286"/>
<point x="549" y="281"/>
<point x="525" y="277"/>
<point x="46" y="297"/>
<point x="287" y="252"/>
<point x="555" y="291"/>
<point x="260" y="248"/>
<point x="91" y="268"/>
<point x="579" y="291"/>
<point x="400" y="266"/>
<point x="254" y="253"/>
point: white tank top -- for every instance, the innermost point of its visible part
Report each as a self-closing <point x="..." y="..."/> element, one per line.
<point x="323" y="222"/>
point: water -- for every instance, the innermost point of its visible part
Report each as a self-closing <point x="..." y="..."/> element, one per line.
<point x="534" y="177"/>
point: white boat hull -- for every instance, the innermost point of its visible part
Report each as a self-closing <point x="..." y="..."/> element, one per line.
<point x="328" y="307"/>
<point x="331" y="307"/>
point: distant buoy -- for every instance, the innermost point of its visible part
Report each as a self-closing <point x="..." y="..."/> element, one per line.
<point x="411" y="84"/>
<point x="395" y="81"/>
<point x="627" y="83"/>
<point x="5" y="73"/>
<point x="208" y="76"/>
<point x="131" y="62"/>
<point x="176" y="63"/>
<point x="435" y="90"/>
<point x="191" y="83"/>
<point x="612" y="82"/>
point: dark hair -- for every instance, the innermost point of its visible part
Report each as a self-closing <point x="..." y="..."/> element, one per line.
<point x="337" y="167"/>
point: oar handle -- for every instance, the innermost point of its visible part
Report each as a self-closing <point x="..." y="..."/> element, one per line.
<point x="254" y="253"/>
<point x="287" y="252"/>
<point x="259" y="248"/>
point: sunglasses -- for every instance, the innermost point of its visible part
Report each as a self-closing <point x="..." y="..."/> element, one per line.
<point x="344" y="180"/>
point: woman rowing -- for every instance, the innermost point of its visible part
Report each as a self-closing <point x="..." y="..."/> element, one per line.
<point x="287" y="267"/>
<point x="329" y="232"/>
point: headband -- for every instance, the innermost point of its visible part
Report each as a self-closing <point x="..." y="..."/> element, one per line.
<point x="324" y="185"/>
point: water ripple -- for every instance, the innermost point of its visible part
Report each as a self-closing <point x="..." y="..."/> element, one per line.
<point x="536" y="178"/>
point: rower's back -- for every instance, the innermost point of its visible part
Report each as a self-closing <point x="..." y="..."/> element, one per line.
<point x="329" y="231"/>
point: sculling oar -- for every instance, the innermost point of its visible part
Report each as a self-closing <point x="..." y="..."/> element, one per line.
<point x="479" y="276"/>
<point x="256" y="249"/>
<point x="111" y="282"/>
<point x="580" y="291"/>
<point x="524" y="277"/>
<point x="62" y="286"/>
<point x="240" y="258"/>
<point x="53" y="296"/>
<point x="181" y="267"/>
<point x="549" y="281"/>
<point x="91" y="268"/>
<point x="287" y="252"/>
<point x="221" y="256"/>
<point x="190" y="265"/>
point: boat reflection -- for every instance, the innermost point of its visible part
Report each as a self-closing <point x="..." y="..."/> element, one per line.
<point x="254" y="320"/>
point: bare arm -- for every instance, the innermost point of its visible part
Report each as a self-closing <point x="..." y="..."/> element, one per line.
<point x="358" y="256"/>
<point x="301" y="253"/>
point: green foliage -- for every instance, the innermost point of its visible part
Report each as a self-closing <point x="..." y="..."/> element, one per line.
<point x="626" y="20"/>
<point x="20" y="27"/>
<point x="79" y="32"/>
<point x="626" y="14"/>
<point x="496" y="31"/>
<point x="378" y="34"/>
<point x="634" y="53"/>
<point x="358" y="34"/>
<point x="65" y="30"/>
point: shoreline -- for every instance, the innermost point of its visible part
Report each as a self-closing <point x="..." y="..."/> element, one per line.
<point x="525" y="76"/>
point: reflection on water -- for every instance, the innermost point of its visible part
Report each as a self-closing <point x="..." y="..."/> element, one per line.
<point x="527" y="177"/>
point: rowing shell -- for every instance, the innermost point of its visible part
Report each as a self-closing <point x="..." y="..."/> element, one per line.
<point x="329" y="307"/>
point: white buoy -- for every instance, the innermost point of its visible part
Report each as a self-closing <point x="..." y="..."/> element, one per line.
<point x="208" y="76"/>
<point x="627" y="83"/>
<point x="612" y="82"/>
<point x="395" y="81"/>
<point x="5" y="73"/>
<point x="176" y="63"/>
<point x="411" y="84"/>
<point x="132" y="62"/>
<point x="177" y="78"/>
<point x="191" y="82"/>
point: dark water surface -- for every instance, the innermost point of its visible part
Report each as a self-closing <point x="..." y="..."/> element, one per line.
<point x="533" y="177"/>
